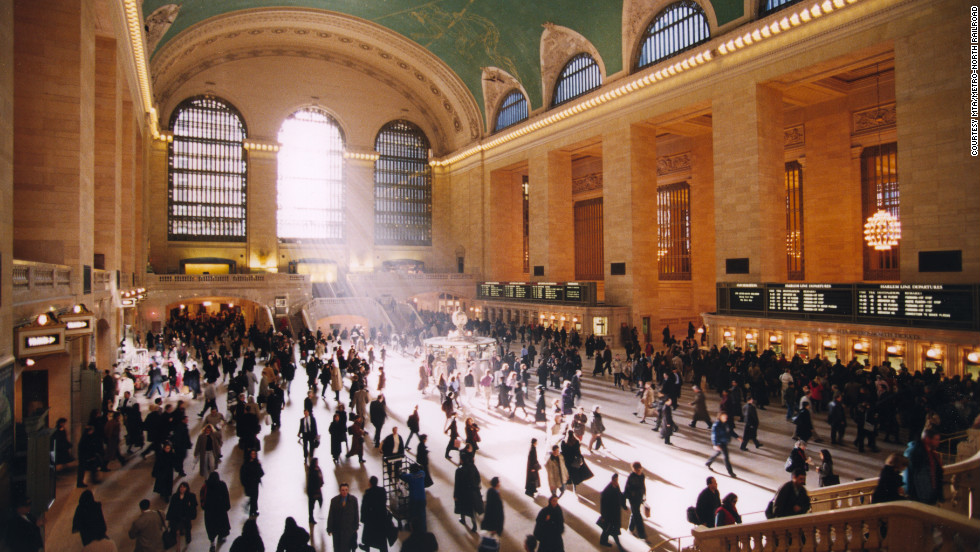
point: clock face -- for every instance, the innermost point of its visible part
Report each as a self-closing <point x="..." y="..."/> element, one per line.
<point x="460" y="319"/>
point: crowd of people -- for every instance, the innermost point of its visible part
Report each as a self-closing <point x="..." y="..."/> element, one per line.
<point x="208" y="353"/>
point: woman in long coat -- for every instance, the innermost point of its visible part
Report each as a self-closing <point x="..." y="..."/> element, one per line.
<point x="134" y="428"/>
<point x="667" y="420"/>
<point x="182" y="510"/>
<point x="336" y="381"/>
<point x="472" y="433"/>
<point x="164" y="464"/>
<point x="357" y="439"/>
<point x="532" y="479"/>
<point x="250" y="475"/>
<point x="540" y="415"/>
<point x="493" y="521"/>
<point x="571" y="450"/>
<point x="60" y="444"/>
<point x="466" y="493"/>
<point x="338" y="436"/>
<point x="557" y="471"/>
<point x="215" y="503"/>
<point x="88" y="521"/>
<point x="597" y="427"/>
<point x="207" y="450"/>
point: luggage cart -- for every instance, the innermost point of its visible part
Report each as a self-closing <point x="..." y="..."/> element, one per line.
<point x="396" y="488"/>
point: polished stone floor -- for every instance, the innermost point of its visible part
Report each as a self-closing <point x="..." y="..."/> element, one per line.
<point x="675" y="474"/>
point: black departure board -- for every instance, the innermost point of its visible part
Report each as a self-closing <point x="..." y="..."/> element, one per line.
<point x="934" y="305"/>
<point x="747" y="297"/>
<point x="540" y="292"/>
<point x="814" y="299"/>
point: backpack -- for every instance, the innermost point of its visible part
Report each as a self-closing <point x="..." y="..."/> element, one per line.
<point x="771" y="509"/>
<point x="692" y="515"/>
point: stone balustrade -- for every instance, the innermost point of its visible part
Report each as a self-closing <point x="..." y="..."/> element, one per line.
<point x="178" y="281"/>
<point x="34" y="281"/>
<point x="900" y="525"/>
<point x="403" y="286"/>
<point x="962" y="491"/>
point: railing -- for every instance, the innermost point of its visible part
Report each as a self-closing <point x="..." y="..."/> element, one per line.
<point x="39" y="281"/>
<point x="237" y="280"/>
<point x="324" y="307"/>
<point x="900" y="525"/>
<point x="383" y="276"/>
<point x="962" y="481"/>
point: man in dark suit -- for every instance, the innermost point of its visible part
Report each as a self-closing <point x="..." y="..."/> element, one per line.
<point x="23" y="532"/>
<point x="378" y="415"/>
<point x="392" y="450"/>
<point x="837" y="418"/>
<point x="751" y="431"/>
<point x="308" y="433"/>
<point x="343" y="519"/>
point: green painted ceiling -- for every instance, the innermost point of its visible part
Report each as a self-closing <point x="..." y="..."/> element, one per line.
<point x="466" y="34"/>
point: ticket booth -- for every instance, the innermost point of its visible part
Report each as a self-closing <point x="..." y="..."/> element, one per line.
<point x="971" y="363"/>
<point x="776" y="342"/>
<point x="895" y="352"/>
<point x="801" y="345"/>
<point x="728" y="337"/>
<point x="752" y="340"/>
<point x="830" y="348"/>
<point x="861" y="350"/>
<point x="932" y="356"/>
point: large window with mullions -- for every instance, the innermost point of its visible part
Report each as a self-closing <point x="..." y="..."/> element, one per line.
<point x="310" y="191"/>
<point x="208" y="172"/>
<point x="580" y="76"/>
<point x="513" y="109"/>
<point x="678" y="27"/>
<point x="402" y="186"/>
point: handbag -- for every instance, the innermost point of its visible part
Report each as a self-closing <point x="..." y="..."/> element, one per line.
<point x="169" y="536"/>
<point x="646" y="510"/>
<point x="692" y="515"/>
<point x="576" y="462"/>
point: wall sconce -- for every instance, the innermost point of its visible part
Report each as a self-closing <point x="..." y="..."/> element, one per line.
<point x="859" y="346"/>
<point x="801" y="341"/>
<point x="973" y="357"/>
<point x="892" y="349"/>
<point x="728" y="333"/>
<point x="773" y="339"/>
<point x="934" y="353"/>
<point x="750" y="336"/>
<point x="828" y="344"/>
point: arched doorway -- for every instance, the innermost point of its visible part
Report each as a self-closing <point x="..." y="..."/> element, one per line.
<point x="254" y="313"/>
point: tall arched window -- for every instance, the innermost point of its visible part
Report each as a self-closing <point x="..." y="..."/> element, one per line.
<point x="512" y="110"/>
<point x="680" y="26"/>
<point x="207" y="172"/>
<point x="580" y="76"/>
<point x="311" y="177"/>
<point x="402" y="186"/>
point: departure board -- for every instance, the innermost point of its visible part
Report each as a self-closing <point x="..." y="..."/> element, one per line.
<point x="817" y="299"/>
<point x="747" y="297"/>
<point x="935" y="305"/>
<point x="540" y="292"/>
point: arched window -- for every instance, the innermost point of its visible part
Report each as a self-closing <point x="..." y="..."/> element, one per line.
<point x="580" y="76"/>
<point x="207" y="172"/>
<point x="512" y="110"/>
<point x="311" y="177"/>
<point x="402" y="186"/>
<point x="768" y="6"/>
<point x="680" y="26"/>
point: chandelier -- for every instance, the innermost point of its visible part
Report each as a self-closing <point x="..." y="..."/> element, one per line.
<point x="882" y="231"/>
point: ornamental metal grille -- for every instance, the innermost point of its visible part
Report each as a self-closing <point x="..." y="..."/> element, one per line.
<point x="512" y="110"/>
<point x="679" y="27"/>
<point x="580" y="76"/>
<point x="402" y="186"/>
<point x="207" y="172"/>
<point x="769" y="6"/>
<point x="588" y="239"/>
<point x="310" y="191"/>
<point x="794" y="220"/>
<point x="674" y="231"/>
<point x="879" y="190"/>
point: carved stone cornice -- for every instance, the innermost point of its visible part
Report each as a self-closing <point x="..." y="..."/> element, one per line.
<point x="558" y="45"/>
<point x="316" y="33"/>
<point x="587" y="183"/>
<point x="671" y="164"/>
<point x="873" y="120"/>
<point x="794" y="137"/>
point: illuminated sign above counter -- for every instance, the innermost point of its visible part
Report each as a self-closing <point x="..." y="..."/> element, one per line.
<point x="43" y="340"/>
<point x="582" y="293"/>
<point x="933" y="305"/>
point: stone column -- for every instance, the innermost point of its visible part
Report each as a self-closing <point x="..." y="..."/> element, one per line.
<point x="261" y="216"/>
<point x="750" y="217"/>
<point x="551" y="215"/>
<point x="107" y="153"/>
<point x="54" y="99"/>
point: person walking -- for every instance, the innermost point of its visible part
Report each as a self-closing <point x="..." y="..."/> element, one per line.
<point x="250" y="540"/>
<point x="597" y="428"/>
<point x="375" y="517"/>
<point x="578" y="470"/>
<point x="147" y="529"/>
<point x="163" y="471"/>
<point x="413" y="426"/>
<point x="357" y="433"/>
<point x="338" y="436"/>
<point x="182" y="511"/>
<point x="803" y="422"/>
<point x="314" y="487"/>
<point x="890" y="484"/>
<point x="924" y="476"/>
<point x="751" y="430"/>
<point x="635" y="493"/>
<point x="493" y="520"/>
<point x="207" y="450"/>
<point x="294" y="538"/>
<point x="611" y="505"/>
<point x="90" y="456"/>
<point x="452" y="430"/>
<point x="378" y="415"/>
<point x="720" y="437"/>
<point x="468" y="501"/>
<point x="532" y="477"/>
<point x="88" y="521"/>
<point x="667" y="420"/>
<point x="308" y="434"/>
<point x="343" y="520"/>
<point x="250" y="475"/>
<point x="700" y="408"/>
<point x="215" y="502"/>
<point x="837" y="418"/>
<point x="549" y="526"/>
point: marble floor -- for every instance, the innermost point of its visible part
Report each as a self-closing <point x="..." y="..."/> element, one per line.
<point x="675" y="474"/>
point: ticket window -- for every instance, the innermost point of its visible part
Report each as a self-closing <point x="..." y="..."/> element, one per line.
<point x="752" y="341"/>
<point x="971" y="363"/>
<point x="577" y="324"/>
<point x="830" y="349"/>
<point x="728" y="338"/>
<point x="933" y="356"/>
<point x="776" y="343"/>
<point x="895" y="354"/>
<point x="802" y="347"/>
<point x="861" y="351"/>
